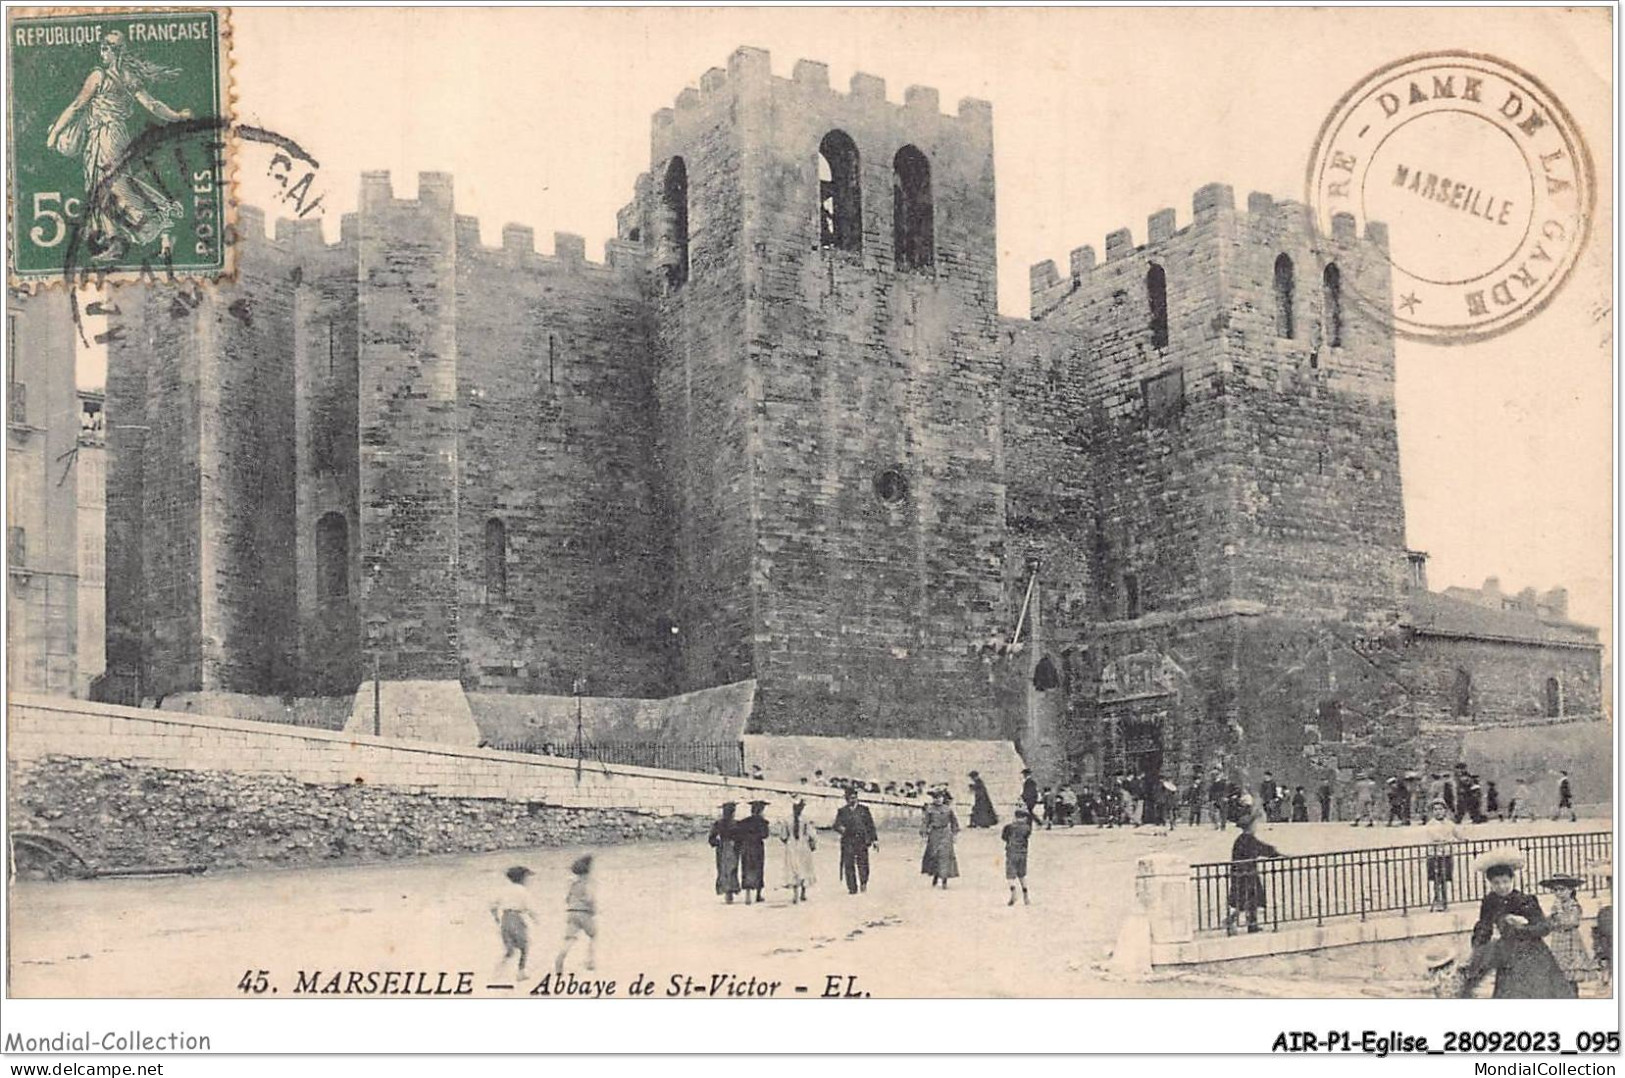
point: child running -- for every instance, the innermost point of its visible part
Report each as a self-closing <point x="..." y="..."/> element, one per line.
<point x="514" y="913"/>
<point x="1016" y="836"/>
<point x="581" y="913"/>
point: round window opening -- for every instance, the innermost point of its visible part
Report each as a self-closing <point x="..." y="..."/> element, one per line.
<point x="891" y="487"/>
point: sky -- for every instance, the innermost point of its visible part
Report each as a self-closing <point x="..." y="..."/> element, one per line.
<point x="1101" y="117"/>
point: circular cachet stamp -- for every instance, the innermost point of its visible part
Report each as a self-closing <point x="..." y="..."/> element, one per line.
<point x="1481" y="179"/>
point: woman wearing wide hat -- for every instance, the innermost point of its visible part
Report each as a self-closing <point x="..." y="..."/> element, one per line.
<point x="1510" y="937"/>
<point x="722" y="840"/>
<point x="939" y="828"/>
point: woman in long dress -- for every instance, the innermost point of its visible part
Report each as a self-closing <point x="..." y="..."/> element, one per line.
<point x="939" y="829"/>
<point x="122" y="208"/>
<point x="750" y="835"/>
<point x="722" y="840"/>
<point x="1524" y="967"/>
<point x="981" y="809"/>
<point x="799" y="844"/>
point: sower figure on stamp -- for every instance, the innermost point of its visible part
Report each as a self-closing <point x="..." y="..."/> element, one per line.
<point x="98" y="126"/>
<point x="750" y="834"/>
<point x="722" y="840"/>
<point x="858" y="836"/>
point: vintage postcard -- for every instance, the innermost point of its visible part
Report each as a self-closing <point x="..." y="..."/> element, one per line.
<point x="788" y="505"/>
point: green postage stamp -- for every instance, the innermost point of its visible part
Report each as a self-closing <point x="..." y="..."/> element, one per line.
<point x="119" y="148"/>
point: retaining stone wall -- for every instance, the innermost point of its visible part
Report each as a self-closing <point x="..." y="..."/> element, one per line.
<point x="147" y="777"/>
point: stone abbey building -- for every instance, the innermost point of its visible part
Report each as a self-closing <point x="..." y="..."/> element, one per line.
<point x="782" y="435"/>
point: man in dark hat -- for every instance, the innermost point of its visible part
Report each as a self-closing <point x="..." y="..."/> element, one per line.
<point x="856" y="827"/>
<point x="751" y="835"/>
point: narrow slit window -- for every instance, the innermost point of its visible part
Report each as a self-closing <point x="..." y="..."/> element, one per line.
<point x="1333" y="282"/>
<point x="913" y="240"/>
<point x="1156" y="297"/>
<point x="840" y="213"/>
<point x="496" y="559"/>
<point x="332" y="557"/>
<point x="1283" y="297"/>
<point x="674" y="196"/>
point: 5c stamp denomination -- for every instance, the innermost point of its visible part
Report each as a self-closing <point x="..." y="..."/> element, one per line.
<point x="1482" y="179"/>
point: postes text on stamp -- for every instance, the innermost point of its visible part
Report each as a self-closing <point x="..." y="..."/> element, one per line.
<point x="118" y="147"/>
<point x="1481" y="178"/>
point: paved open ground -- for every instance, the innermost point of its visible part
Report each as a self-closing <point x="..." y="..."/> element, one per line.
<point x="196" y="937"/>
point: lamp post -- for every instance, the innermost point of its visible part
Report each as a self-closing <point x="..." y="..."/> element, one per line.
<point x="578" y="689"/>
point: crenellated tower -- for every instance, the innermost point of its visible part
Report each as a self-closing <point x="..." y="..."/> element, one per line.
<point x="824" y="270"/>
<point x="1236" y="410"/>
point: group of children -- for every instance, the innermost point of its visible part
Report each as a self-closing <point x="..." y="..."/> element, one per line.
<point x="514" y="912"/>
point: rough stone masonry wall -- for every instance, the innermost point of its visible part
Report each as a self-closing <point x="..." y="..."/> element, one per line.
<point x="325" y="328"/>
<point x="872" y="616"/>
<point x="699" y="374"/>
<point x="42" y="427"/>
<point x="154" y="484"/>
<point x="122" y="814"/>
<point x="246" y="456"/>
<point x="555" y="403"/>
<point x="1321" y="523"/>
<point x="133" y="785"/>
<point x="408" y="540"/>
<point x="1161" y="470"/>
<point x="1508" y="680"/>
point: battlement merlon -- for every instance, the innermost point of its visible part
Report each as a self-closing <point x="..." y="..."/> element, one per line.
<point x="749" y="71"/>
<point x="295" y="236"/>
<point x="1210" y="204"/>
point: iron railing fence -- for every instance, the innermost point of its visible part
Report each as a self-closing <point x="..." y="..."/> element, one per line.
<point x="707" y="757"/>
<point x="1357" y="883"/>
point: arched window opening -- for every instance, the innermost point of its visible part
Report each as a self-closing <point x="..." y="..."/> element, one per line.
<point x="840" y="213"/>
<point x="332" y="557"/>
<point x="1156" y="296"/>
<point x="1045" y="676"/>
<point x="1554" y="698"/>
<point x="1283" y="297"/>
<point x="913" y="241"/>
<point x="1464" y="694"/>
<point x="1333" y="282"/>
<point x="674" y="197"/>
<point x="496" y="560"/>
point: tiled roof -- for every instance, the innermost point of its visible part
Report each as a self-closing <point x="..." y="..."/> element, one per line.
<point x="1433" y="614"/>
